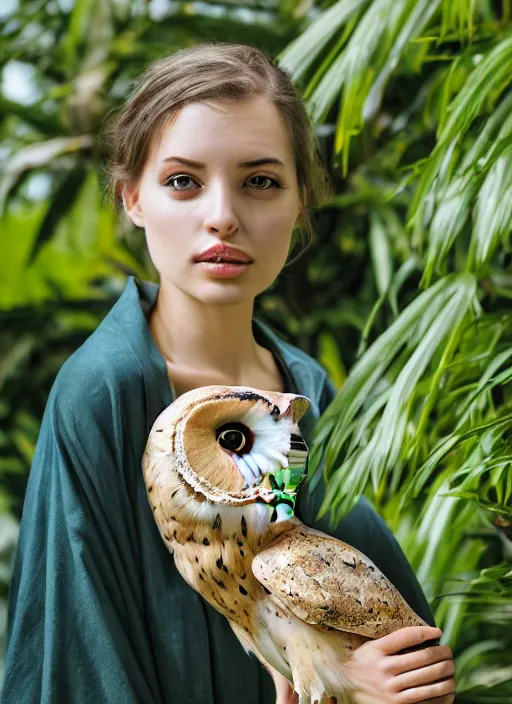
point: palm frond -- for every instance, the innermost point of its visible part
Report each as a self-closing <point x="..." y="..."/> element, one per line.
<point x="493" y="210"/>
<point x="302" y="53"/>
<point x="417" y="334"/>
<point x="486" y="81"/>
<point x="448" y="204"/>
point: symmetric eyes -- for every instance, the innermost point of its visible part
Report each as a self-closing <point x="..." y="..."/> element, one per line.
<point x="235" y="437"/>
<point x="173" y="180"/>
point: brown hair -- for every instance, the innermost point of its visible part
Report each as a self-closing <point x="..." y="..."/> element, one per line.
<point x="210" y="71"/>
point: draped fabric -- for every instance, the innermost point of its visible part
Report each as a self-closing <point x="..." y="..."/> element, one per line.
<point x="97" y="610"/>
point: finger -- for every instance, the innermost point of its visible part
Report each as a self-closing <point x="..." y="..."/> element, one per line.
<point x="405" y="638"/>
<point x="365" y="698"/>
<point x="398" y="664"/>
<point x="425" y="675"/>
<point x="426" y="692"/>
<point x="364" y="685"/>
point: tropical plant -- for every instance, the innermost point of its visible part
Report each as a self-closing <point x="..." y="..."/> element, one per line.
<point x="423" y="423"/>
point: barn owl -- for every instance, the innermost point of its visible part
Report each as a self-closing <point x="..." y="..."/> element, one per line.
<point x="222" y="467"/>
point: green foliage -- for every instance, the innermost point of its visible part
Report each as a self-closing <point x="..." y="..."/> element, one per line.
<point x="423" y="423"/>
<point x="405" y="298"/>
<point x="8" y="538"/>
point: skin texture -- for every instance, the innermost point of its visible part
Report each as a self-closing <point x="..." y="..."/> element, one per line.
<point x="385" y="677"/>
<point x="202" y="325"/>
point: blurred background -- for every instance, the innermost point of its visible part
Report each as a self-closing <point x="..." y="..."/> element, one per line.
<point x="405" y="297"/>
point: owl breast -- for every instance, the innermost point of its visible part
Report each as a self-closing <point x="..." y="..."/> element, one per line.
<point x="214" y="546"/>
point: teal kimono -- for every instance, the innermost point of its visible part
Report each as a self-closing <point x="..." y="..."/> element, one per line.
<point x="98" y="613"/>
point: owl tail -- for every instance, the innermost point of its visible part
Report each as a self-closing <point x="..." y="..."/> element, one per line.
<point x="316" y="663"/>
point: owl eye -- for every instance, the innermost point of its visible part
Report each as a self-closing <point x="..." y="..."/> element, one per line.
<point x="233" y="440"/>
<point x="235" y="437"/>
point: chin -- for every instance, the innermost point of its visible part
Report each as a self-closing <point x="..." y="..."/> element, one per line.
<point x="230" y="290"/>
<point x="227" y="292"/>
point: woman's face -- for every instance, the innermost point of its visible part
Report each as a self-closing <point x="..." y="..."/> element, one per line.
<point x="186" y="209"/>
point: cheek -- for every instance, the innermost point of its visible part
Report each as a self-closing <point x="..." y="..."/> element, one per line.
<point x="160" y="212"/>
<point x="166" y="228"/>
<point x="271" y="252"/>
<point x="275" y="235"/>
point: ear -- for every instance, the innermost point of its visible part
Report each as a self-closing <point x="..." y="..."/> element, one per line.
<point x="131" y="204"/>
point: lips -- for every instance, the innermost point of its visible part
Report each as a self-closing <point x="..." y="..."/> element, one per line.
<point x="224" y="254"/>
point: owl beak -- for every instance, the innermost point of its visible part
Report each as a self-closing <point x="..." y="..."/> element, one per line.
<point x="265" y="484"/>
<point x="268" y="495"/>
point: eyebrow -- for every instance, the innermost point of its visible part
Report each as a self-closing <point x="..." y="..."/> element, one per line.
<point x="200" y="165"/>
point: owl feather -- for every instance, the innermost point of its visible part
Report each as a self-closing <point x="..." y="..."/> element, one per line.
<point x="220" y="468"/>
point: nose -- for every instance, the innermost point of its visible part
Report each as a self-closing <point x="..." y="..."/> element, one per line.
<point x="220" y="219"/>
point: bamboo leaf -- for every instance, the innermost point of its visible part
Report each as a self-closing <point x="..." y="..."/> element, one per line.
<point x="300" y="54"/>
<point x="490" y="75"/>
<point x="493" y="210"/>
<point x="440" y="309"/>
<point x="329" y="357"/>
<point x="421" y="11"/>
<point x="350" y="66"/>
<point x="446" y="445"/>
<point x="485" y="383"/>
<point x="37" y="156"/>
<point x="381" y="254"/>
<point x="493" y="71"/>
<point x="389" y="434"/>
<point x="61" y="204"/>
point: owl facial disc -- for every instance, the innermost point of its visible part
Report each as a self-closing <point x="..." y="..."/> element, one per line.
<point x="268" y="454"/>
<point x="230" y="443"/>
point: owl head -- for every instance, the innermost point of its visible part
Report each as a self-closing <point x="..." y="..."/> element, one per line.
<point x="233" y="444"/>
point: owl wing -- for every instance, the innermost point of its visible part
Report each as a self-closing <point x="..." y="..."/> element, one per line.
<point x="324" y="581"/>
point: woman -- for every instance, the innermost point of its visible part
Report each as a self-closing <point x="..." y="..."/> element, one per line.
<point x="214" y="156"/>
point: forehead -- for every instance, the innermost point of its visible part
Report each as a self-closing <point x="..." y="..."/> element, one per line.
<point x="226" y="129"/>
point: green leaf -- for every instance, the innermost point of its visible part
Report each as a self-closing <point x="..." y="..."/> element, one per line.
<point x="493" y="210"/>
<point x="330" y="358"/>
<point x="440" y="309"/>
<point x="380" y="253"/>
<point x="37" y="156"/>
<point x="63" y="200"/>
<point x="300" y="54"/>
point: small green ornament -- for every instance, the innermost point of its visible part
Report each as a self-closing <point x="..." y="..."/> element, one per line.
<point x="287" y="480"/>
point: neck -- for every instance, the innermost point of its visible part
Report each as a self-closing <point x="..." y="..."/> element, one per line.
<point x="210" y="339"/>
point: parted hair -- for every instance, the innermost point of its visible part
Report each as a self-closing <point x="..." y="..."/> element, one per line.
<point x="211" y="71"/>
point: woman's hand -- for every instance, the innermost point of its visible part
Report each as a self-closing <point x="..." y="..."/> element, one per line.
<point x="382" y="676"/>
